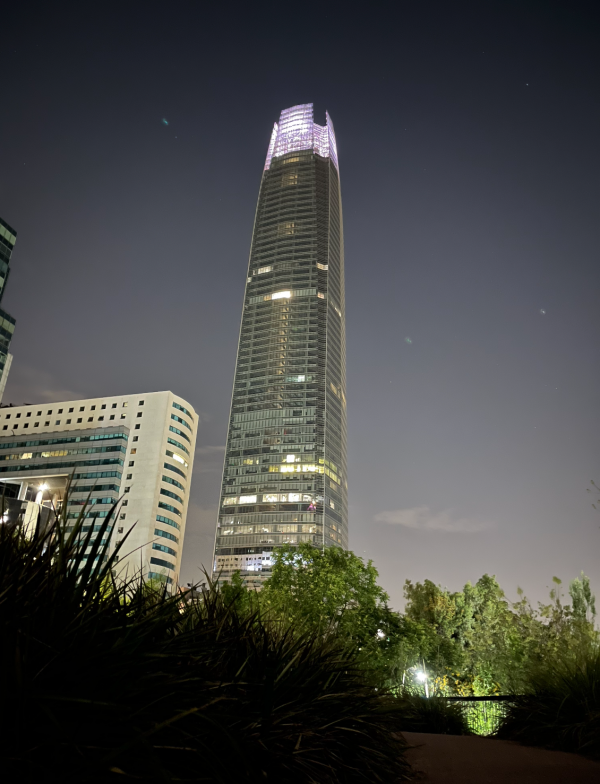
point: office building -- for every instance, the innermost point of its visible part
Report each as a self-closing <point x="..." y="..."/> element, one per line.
<point x="136" y="447"/>
<point x="284" y="477"/>
<point x="8" y="238"/>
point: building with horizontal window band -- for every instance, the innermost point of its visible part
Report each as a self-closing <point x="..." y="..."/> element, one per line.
<point x="284" y="476"/>
<point x="137" y="448"/>
<point x="8" y="238"/>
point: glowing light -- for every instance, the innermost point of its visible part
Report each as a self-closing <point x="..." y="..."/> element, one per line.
<point x="247" y="499"/>
<point x="407" y="340"/>
<point x="542" y="311"/>
<point x="421" y="677"/>
<point x="297" y="130"/>
<point x="42" y="487"/>
<point x="165" y="122"/>
<point x="290" y="458"/>
<point x="281" y="295"/>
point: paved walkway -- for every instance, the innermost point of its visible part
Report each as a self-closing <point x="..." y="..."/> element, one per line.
<point x="464" y="759"/>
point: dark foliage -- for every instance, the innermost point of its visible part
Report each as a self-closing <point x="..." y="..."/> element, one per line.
<point x="415" y="713"/>
<point x="106" y="681"/>
<point x="561" y="709"/>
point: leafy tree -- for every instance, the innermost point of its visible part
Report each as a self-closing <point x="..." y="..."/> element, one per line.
<point x="472" y="629"/>
<point x="335" y="592"/>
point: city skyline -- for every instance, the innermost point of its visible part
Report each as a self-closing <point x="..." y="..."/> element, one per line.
<point x="284" y="475"/>
<point x="131" y="157"/>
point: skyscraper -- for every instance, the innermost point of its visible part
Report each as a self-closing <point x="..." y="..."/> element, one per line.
<point x="284" y="476"/>
<point x="8" y="237"/>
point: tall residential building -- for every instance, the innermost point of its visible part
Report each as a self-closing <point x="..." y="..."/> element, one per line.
<point x="284" y="477"/>
<point x="8" y="237"/>
<point x="138" y="447"/>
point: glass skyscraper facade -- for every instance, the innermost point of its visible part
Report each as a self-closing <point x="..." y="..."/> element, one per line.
<point x="8" y="237"/>
<point x="284" y="476"/>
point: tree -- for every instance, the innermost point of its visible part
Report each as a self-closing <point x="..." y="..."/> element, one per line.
<point x="335" y="592"/>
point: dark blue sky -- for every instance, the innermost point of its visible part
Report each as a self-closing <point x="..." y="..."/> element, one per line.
<point x="469" y="157"/>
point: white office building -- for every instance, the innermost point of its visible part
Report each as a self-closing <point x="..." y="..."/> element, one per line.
<point x="139" y="448"/>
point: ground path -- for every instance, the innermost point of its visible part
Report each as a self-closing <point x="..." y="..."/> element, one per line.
<point x="465" y="759"/>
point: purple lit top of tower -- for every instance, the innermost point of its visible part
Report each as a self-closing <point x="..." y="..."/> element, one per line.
<point x="298" y="131"/>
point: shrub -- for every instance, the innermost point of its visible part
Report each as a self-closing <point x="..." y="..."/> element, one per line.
<point x="415" y="713"/>
<point x="561" y="709"/>
<point x="105" y="680"/>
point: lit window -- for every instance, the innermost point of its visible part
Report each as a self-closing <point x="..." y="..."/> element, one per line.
<point x="281" y="295"/>
<point x="247" y="499"/>
<point x="177" y="457"/>
<point x="133" y="452"/>
<point x="290" y="458"/>
<point x="262" y="270"/>
<point x="289" y="179"/>
<point x="320" y="295"/>
<point x="125" y="404"/>
<point x="123" y="416"/>
<point x="285" y="229"/>
<point x="322" y="266"/>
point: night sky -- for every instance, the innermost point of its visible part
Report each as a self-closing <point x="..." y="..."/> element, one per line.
<point x="468" y="139"/>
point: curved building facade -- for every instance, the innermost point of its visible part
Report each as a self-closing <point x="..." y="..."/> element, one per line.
<point x="284" y="477"/>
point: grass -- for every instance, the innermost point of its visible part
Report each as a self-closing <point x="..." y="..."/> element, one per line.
<point x="561" y="709"/>
<point x="107" y="681"/>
